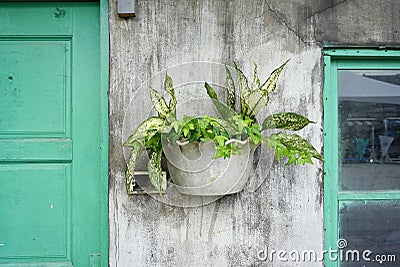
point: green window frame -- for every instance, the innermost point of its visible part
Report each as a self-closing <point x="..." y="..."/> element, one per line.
<point x="336" y="59"/>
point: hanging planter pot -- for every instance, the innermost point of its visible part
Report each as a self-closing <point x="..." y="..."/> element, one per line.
<point x="195" y="171"/>
<point x="203" y="156"/>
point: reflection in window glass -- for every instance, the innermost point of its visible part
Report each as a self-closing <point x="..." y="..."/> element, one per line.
<point x="370" y="225"/>
<point x="369" y="129"/>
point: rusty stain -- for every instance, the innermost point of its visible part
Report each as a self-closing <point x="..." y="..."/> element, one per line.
<point x="214" y="178"/>
<point x="217" y="232"/>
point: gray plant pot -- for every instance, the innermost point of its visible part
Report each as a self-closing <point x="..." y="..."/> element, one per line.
<point x="194" y="171"/>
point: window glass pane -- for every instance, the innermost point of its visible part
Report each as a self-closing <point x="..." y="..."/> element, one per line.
<point x="369" y="129"/>
<point x="370" y="225"/>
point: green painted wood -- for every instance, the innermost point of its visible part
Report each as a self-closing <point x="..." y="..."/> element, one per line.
<point x="104" y="81"/>
<point x="74" y="228"/>
<point x="336" y="59"/>
<point x="36" y="150"/>
<point x="55" y="19"/>
<point x="368" y="53"/>
<point x="34" y="220"/>
<point x="371" y="195"/>
<point x="330" y="156"/>
<point x="95" y="260"/>
<point x="365" y="64"/>
<point x="34" y="82"/>
<point x="41" y="264"/>
<point x="50" y="1"/>
<point x="87" y="148"/>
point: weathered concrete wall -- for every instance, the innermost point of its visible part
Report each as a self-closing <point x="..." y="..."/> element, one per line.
<point x="286" y="211"/>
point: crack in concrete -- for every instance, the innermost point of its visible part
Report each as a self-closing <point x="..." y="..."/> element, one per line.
<point x="324" y="9"/>
<point x="283" y="21"/>
<point x="314" y="26"/>
<point x="250" y="19"/>
<point x="286" y="24"/>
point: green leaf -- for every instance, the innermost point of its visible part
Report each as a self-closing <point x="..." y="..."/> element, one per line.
<point x="191" y="125"/>
<point x="185" y="131"/>
<point x="210" y="91"/>
<point x="137" y="149"/>
<point x="227" y="151"/>
<point x="254" y="133"/>
<point x="153" y="142"/>
<point x="176" y="125"/>
<point x="270" y="84"/>
<point x="285" y="120"/>
<point x="256" y="80"/>
<point x="244" y="90"/>
<point x="258" y="98"/>
<point x="203" y="124"/>
<point x="154" y="168"/>
<point x="219" y="154"/>
<point x="230" y="90"/>
<point x="291" y="159"/>
<point x="220" y="140"/>
<point x="169" y="87"/>
<point x="159" y="103"/>
<point x="144" y="130"/>
<point x="256" y="101"/>
<point x="223" y="110"/>
<point x="294" y="141"/>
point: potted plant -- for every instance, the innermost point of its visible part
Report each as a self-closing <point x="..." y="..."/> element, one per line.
<point x="214" y="155"/>
<point x="206" y="155"/>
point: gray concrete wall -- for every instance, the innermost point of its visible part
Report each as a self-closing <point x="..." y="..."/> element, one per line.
<point x="286" y="211"/>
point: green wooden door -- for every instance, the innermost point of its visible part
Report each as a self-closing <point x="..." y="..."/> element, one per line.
<point x="50" y="147"/>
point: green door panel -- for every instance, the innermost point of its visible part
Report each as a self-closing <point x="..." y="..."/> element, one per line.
<point x="41" y="264"/>
<point x="40" y="19"/>
<point x="36" y="150"/>
<point x="35" y="81"/>
<point x="36" y="197"/>
<point x="50" y="134"/>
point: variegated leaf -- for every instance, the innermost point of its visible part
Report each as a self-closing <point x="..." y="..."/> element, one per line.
<point x="137" y="149"/>
<point x="256" y="101"/>
<point x="154" y="168"/>
<point x="230" y="90"/>
<point x="159" y="103"/>
<point x="223" y="110"/>
<point x="143" y="130"/>
<point x="169" y="87"/>
<point x="244" y="90"/>
<point x="297" y="142"/>
<point x="256" y="80"/>
<point x="285" y="120"/>
<point x="227" y="125"/>
<point x="270" y="83"/>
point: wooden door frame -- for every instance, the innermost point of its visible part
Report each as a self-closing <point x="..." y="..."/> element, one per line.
<point x="104" y="87"/>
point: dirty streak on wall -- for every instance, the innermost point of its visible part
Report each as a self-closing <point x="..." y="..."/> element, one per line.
<point x="286" y="211"/>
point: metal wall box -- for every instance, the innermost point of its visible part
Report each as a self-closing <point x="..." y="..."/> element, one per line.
<point x="126" y="8"/>
<point x="143" y="185"/>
